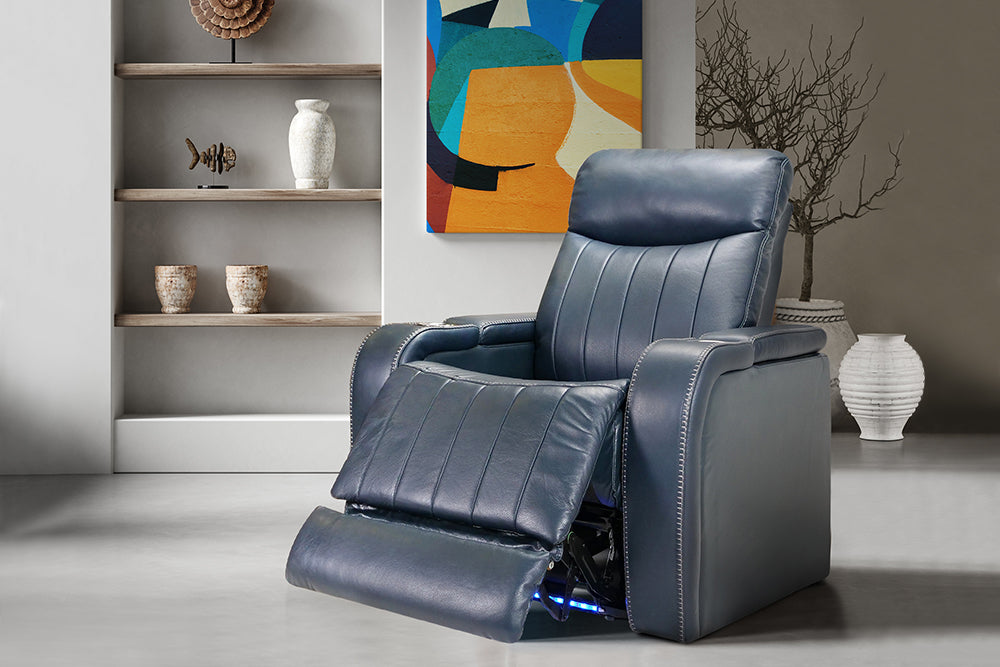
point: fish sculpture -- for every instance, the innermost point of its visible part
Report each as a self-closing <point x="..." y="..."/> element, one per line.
<point x="217" y="158"/>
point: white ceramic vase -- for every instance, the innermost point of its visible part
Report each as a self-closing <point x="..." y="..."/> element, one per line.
<point x="312" y="141"/>
<point x="828" y="315"/>
<point x="881" y="380"/>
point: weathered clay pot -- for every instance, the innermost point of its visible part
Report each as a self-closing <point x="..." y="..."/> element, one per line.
<point x="175" y="285"/>
<point x="246" y="284"/>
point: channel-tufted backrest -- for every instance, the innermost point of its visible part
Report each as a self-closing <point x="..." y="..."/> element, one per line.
<point x="661" y="244"/>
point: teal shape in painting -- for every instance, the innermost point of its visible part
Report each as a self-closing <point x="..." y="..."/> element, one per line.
<point x="554" y="20"/>
<point x="451" y="133"/>
<point x="452" y="34"/>
<point x="579" y="30"/>
<point x="486" y="49"/>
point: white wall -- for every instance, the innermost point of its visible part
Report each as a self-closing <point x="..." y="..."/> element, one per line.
<point x="68" y="256"/>
<point x="55" y="252"/>
<point x="428" y="277"/>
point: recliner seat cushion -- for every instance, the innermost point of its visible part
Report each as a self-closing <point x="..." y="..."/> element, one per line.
<point x="482" y="450"/>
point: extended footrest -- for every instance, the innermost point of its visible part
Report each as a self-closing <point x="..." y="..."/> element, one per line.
<point x="468" y="580"/>
<point x="461" y="488"/>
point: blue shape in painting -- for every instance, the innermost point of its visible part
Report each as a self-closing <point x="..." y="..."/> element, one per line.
<point x="553" y="20"/>
<point x="434" y="27"/>
<point x="451" y="131"/>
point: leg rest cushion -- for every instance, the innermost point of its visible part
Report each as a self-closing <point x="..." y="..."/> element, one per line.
<point x="482" y="450"/>
<point x="453" y="577"/>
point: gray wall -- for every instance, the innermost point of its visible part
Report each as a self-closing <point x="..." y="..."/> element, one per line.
<point x="928" y="265"/>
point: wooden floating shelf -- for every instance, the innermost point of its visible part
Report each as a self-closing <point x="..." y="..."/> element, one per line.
<point x="248" y="70"/>
<point x="255" y="320"/>
<point x="239" y="194"/>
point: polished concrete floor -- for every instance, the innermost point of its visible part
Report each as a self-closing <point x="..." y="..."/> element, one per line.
<point x="188" y="570"/>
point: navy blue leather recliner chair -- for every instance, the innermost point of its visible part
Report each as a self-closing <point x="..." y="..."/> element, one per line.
<point x="645" y="446"/>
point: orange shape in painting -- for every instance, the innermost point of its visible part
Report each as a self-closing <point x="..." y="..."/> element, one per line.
<point x="619" y="104"/>
<point x="513" y="116"/>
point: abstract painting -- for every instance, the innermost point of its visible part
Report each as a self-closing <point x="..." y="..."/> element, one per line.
<point x="519" y="93"/>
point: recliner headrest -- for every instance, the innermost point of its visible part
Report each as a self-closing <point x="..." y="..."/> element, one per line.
<point x="676" y="197"/>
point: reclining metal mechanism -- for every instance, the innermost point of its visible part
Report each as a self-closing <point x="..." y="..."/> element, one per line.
<point x="595" y="535"/>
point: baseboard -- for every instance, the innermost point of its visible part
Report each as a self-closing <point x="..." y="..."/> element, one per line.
<point x="231" y="443"/>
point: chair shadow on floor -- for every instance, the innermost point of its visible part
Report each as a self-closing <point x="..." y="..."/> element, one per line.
<point x="852" y="602"/>
<point x="855" y="602"/>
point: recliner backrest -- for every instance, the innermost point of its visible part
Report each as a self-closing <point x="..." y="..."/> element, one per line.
<point x="661" y="244"/>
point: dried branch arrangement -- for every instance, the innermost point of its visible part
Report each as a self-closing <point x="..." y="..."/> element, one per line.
<point x="811" y="110"/>
<point x="217" y="158"/>
<point x="232" y="19"/>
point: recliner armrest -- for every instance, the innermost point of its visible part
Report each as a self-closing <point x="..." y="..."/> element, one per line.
<point x="393" y="344"/>
<point x="699" y="415"/>
<point x="500" y="329"/>
<point x="771" y="343"/>
<point x="664" y="411"/>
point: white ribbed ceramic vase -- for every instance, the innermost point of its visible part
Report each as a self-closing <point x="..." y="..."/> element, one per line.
<point x="881" y="380"/>
<point x="828" y="315"/>
<point x="312" y="141"/>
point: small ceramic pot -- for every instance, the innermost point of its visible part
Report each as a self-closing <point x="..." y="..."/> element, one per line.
<point x="246" y="284"/>
<point x="175" y="285"/>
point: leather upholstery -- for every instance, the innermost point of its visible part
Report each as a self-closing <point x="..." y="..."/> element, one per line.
<point x="506" y="345"/>
<point x="661" y="244"/>
<point x="763" y="470"/>
<point x="654" y="198"/>
<point x="498" y="344"/>
<point x="455" y="445"/>
<point x="717" y="468"/>
<point x="457" y="576"/>
<point x="664" y="467"/>
<point x="500" y="329"/>
<point x="774" y="342"/>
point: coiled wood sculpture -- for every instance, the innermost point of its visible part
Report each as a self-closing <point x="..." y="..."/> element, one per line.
<point x="232" y="19"/>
